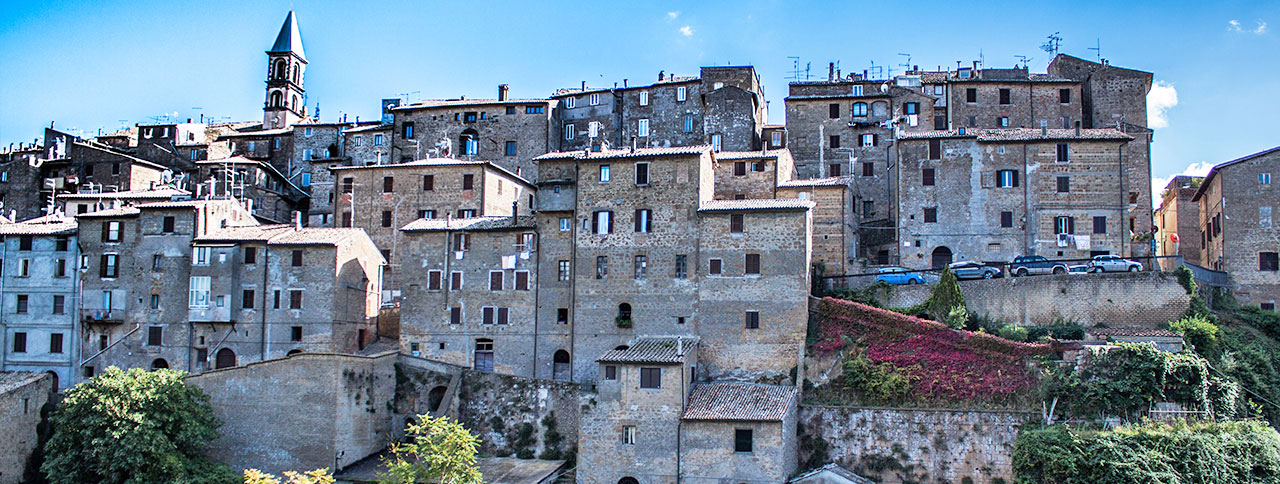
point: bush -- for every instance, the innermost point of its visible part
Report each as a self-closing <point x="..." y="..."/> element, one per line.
<point x="1013" y="332"/>
<point x="1067" y="331"/>
<point x="1186" y="279"/>
<point x="876" y="383"/>
<point x="945" y="298"/>
<point x="1202" y="334"/>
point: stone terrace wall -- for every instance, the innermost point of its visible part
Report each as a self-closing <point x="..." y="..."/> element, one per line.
<point x="295" y="413"/>
<point x="1116" y="299"/>
<point x="892" y="446"/>
<point x="22" y="398"/>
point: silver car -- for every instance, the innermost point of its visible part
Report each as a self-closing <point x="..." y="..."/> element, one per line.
<point x="973" y="270"/>
<point x="1113" y="263"/>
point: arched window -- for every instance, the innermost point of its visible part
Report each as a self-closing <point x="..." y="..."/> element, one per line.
<point x="859" y="109"/>
<point x="281" y="70"/>
<point x="293" y="352"/>
<point x="296" y="73"/>
<point x="294" y="104"/>
<point x="624" y="311"/>
<point x="561" y="365"/>
<point x="941" y="257"/>
<point x="54" y="376"/>
<point x="225" y="359"/>
<point x="159" y="363"/>
<point x="628" y="480"/>
<point x="277" y="99"/>
<point x="621" y="347"/>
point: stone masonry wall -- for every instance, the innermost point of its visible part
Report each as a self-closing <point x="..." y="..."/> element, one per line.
<point x="893" y="446"/>
<point x="22" y="395"/>
<point x="1117" y="299"/>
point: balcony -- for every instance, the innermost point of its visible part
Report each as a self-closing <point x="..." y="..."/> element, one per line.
<point x="102" y="316"/>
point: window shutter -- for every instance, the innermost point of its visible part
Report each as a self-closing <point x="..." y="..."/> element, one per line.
<point x="1015" y="178"/>
<point x="488" y="316"/>
<point x="102" y="267"/>
<point x="637" y="220"/>
<point x="502" y="316"/>
<point x="105" y="231"/>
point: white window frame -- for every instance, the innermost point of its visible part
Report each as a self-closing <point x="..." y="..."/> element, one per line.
<point x="595" y="99"/>
<point x="602" y="221"/>
<point x="628" y="435"/>
<point x="646" y="217"/>
<point x="868" y="139"/>
<point x="1004" y="178"/>
<point x="593" y="129"/>
<point x="570" y="131"/>
<point x="569" y="102"/>
<point x="682" y="94"/>
<point x="688" y="123"/>
<point x="775" y="139"/>
<point x="857" y="89"/>
<point x="566" y="224"/>
<point x="306" y="131"/>
<point x="199" y="292"/>
<point x="1264" y="178"/>
<point x="644" y="98"/>
<point x="24" y="267"/>
<point x="716" y="142"/>
<point x="604" y="174"/>
<point x="377" y="140"/>
<point x="200" y="256"/>
<point x="642" y="128"/>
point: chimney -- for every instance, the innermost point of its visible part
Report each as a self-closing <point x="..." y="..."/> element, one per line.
<point x="831" y="71"/>
<point x="584" y="85"/>
<point x="661" y="75"/>
<point x="502" y="91"/>
<point x="634" y="143"/>
<point x="1044" y="131"/>
<point x="1077" y="123"/>
<point x="514" y="210"/>
<point x="624" y="83"/>
<point x="680" y="346"/>
<point x="460" y="98"/>
<point x="297" y="221"/>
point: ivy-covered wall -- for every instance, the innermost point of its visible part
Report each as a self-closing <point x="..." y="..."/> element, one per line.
<point x="892" y="446"/>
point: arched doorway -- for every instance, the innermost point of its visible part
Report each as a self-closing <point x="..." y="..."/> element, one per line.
<point x="561" y="365"/>
<point x="54" y="376"/>
<point x="469" y="142"/>
<point x="941" y="257"/>
<point x="159" y="364"/>
<point x="293" y="352"/>
<point x="624" y="315"/>
<point x="435" y="397"/>
<point x="628" y="480"/>
<point x="225" y="359"/>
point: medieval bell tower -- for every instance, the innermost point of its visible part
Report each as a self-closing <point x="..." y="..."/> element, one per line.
<point x="286" y="65"/>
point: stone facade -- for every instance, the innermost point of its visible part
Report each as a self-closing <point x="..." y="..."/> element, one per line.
<point x="1179" y="222"/>
<point x="1239" y="234"/>
<point x="835" y="222"/>
<point x="22" y="399"/>
<point x="40" y="298"/>
<point x="272" y="196"/>
<point x="509" y="132"/>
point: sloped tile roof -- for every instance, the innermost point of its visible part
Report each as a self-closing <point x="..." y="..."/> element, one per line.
<point x="831" y="181"/>
<point x="283" y="235"/>
<point x="834" y="469"/>
<point x="1133" y="332"/>
<point x="663" y="351"/>
<point x="111" y="212"/>
<point x="428" y="162"/>
<point x="158" y="193"/>
<point x="749" y="402"/>
<point x="374" y="127"/>
<point x="623" y="153"/>
<point x="747" y="155"/>
<point x="1019" y="134"/>
<point x="755" y="204"/>
<point x="445" y="103"/>
<point x="46" y="225"/>
<point x="474" y="223"/>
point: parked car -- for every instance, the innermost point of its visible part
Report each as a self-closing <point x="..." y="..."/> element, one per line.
<point x="899" y="275"/>
<point x="1035" y="264"/>
<point x="1078" y="269"/>
<point x="973" y="270"/>
<point x="1113" y="263"/>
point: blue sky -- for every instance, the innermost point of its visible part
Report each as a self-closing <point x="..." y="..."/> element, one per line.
<point x="91" y="65"/>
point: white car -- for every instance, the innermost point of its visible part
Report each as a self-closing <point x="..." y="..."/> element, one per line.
<point x="1113" y="263"/>
<point x="1078" y="269"/>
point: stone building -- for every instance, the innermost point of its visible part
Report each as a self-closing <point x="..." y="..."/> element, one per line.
<point x="286" y="100"/>
<point x="751" y="174"/>
<point x="1237" y="230"/>
<point x="509" y="132"/>
<point x="20" y="182"/>
<point x="368" y="145"/>
<point x="383" y="198"/>
<point x="835" y="222"/>
<point x="22" y="396"/>
<point x="723" y="107"/>
<point x="272" y="196"/>
<point x="1178" y="220"/>
<point x="992" y="195"/>
<point x="39" y="291"/>
<point x="85" y="202"/>
<point x="738" y="432"/>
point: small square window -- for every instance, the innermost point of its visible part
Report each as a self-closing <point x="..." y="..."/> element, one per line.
<point x="742" y="440"/>
<point x="610" y="372"/>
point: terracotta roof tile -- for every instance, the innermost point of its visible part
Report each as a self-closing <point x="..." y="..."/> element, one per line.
<point x="1019" y="134"/>
<point x="282" y="235"/>
<point x="751" y="402"/>
<point x="1132" y="332"/>
<point x="46" y="225"/>
<point x="111" y="212"/>
<point x="755" y="204"/>
<point x="158" y="193"/>
<point x="445" y="103"/>
<point x="624" y="153"/>
<point x="832" y="181"/>
<point x="666" y="351"/>
<point x="747" y="155"/>
<point x="474" y="223"/>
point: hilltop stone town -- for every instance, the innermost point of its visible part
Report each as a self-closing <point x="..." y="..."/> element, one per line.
<point x="643" y="282"/>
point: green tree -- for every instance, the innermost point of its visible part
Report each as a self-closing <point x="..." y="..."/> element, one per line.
<point x="318" y="476"/>
<point x="434" y="450"/>
<point x="946" y="303"/>
<point x="1198" y="331"/>
<point x="133" y="426"/>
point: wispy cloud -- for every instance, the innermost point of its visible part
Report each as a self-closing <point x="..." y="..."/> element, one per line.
<point x="686" y="31"/>
<point x="673" y="15"/>
<point x="1235" y="26"/>
<point x="1161" y="98"/>
<point x="1158" y="183"/>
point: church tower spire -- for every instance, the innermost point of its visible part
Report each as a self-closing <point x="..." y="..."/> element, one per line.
<point x="286" y="64"/>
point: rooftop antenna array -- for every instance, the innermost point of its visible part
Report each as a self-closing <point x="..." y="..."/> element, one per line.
<point x="875" y="72"/>
<point x="1024" y="60"/>
<point x="1098" y="49"/>
<point x="1053" y="44"/>
<point x="795" y="67"/>
<point x="906" y="66"/>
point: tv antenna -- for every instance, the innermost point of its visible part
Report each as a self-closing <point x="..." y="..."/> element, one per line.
<point x="1098" y="49"/>
<point x="906" y="66"/>
<point x="1024" y="60"/>
<point x="795" y="66"/>
<point x="876" y="72"/>
<point x="1053" y="44"/>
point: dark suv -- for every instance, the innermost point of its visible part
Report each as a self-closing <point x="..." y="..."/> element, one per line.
<point x="1035" y="264"/>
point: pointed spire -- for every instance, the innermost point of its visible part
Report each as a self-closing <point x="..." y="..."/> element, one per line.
<point x="289" y="39"/>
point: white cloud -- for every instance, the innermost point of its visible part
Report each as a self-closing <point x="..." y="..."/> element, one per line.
<point x="673" y="15"/>
<point x="686" y="31"/>
<point x="1161" y="98"/>
<point x="1158" y="183"/>
<point x="1234" y="26"/>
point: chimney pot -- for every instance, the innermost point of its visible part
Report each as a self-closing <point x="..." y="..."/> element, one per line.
<point x="584" y="85"/>
<point x="661" y="75"/>
<point x="624" y="83"/>
<point x="1044" y="131"/>
<point x="502" y="91"/>
<point x="831" y="71"/>
<point x="1077" y="123"/>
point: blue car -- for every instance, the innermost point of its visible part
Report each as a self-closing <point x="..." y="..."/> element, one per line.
<point x="899" y="275"/>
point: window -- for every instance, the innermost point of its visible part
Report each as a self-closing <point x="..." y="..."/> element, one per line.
<point x="715" y="142"/>
<point x="603" y="222"/>
<point x="714" y="267"/>
<point x="740" y="168"/>
<point x="867" y="140"/>
<point x="1064" y="96"/>
<point x="642" y="220"/>
<point x="201" y="256"/>
<point x="427" y="214"/>
<point x="348" y="184"/>
<point x="752" y="319"/>
<point x="926" y="177"/>
<point x="602" y="266"/>
<point x="911" y="108"/>
<point x="1006" y="219"/>
<point x="495" y="280"/>
<point x="1264" y="178"/>
<point x="595" y="98"/>
<point x="642" y="128"/>
<point x="642" y="267"/>
<point x="604" y="173"/>
<point x="868" y="168"/>
<point x="569" y="131"/>
<point x="566" y="225"/>
<point x="23" y="301"/>
<point x="935" y="149"/>
<point x="859" y="109"/>
<point x="250" y="255"/>
<point x="1003" y="121"/>
<point x="24" y="267"/>
<point x="563" y="267"/>
<point x="628" y="431"/>
<point x="246" y="299"/>
<point x="60" y="268"/>
<point x="1099" y="222"/>
<point x="651" y="378"/>
<point x="155" y="334"/>
<point x="61" y="243"/>
<point x="55" y="343"/>
<point x="295" y="333"/>
<point x="199" y="292"/>
<point x="682" y="94"/>
<point x="20" y="342"/>
<point x="753" y="264"/>
<point x="834" y="141"/>
<point x="295" y="299"/>
<point x="688" y="123"/>
<point x="857" y="90"/>
<point x="736" y="222"/>
<point x="833" y="111"/>
<point x="510" y="148"/>
<point x="109" y="266"/>
<point x="155" y="302"/>
<point x="1064" y="184"/>
<point x="462" y="241"/>
<point x="297" y="258"/>
<point x="742" y="441"/>
<point x="642" y="173"/>
<point x="682" y="266"/>
<point x="610" y="372"/>
<point x="971" y="95"/>
<point x="931" y="215"/>
<point x="1064" y="225"/>
<point x="110" y="232"/>
<point x="644" y="98"/>
<point x="1062" y="153"/>
<point x="275" y="295"/>
<point x="455" y="280"/>
<point x="408" y="130"/>
<point x="435" y="279"/>
<point x="758" y="166"/>
<point x="167" y="226"/>
<point x="115" y="167"/>
<point x="386" y="218"/>
<point x="533" y="110"/>
<point x="1268" y="261"/>
<point x="562" y="315"/>
<point x="388" y="184"/>
<point x="1005" y="96"/>
<point x="1007" y="178"/>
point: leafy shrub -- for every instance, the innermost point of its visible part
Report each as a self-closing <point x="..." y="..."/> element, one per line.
<point x="1056" y="331"/>
<point x="878" y="383"/>
<point x="945" y="298"/>
<point x="1013" y="332"/>
<point x="1186" y="279"/>
<point x="1202" y="334"/>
